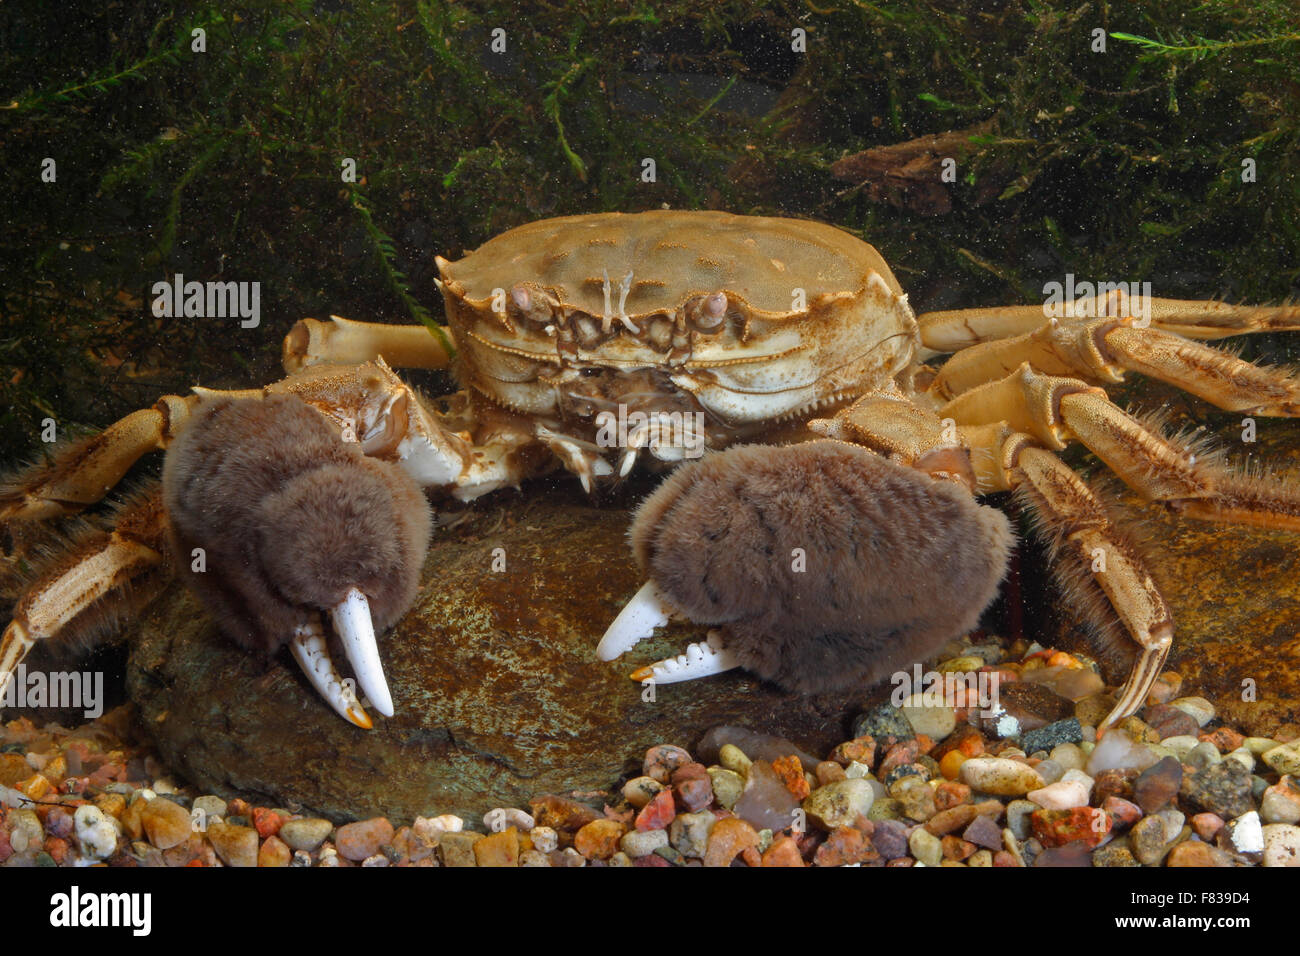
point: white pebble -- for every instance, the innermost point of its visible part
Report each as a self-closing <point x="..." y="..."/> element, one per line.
<point x="96" y="835"/>
<point x="1062" y="795"/>
<point x="1198" y="708"/>
<point x="1118" y="751"/>
<point x="545" y="839"/>
<point x="1247" y="833"/>
<point x="1281" y="845"/>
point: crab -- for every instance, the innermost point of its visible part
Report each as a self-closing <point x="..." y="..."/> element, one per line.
<point x="831" y="532"/>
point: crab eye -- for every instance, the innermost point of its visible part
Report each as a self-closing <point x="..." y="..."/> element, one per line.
<point x="531" y="304"/>
<point x="708" y="312"/>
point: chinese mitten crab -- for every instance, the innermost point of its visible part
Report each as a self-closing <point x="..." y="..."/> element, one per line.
<point x="848" y="544"/>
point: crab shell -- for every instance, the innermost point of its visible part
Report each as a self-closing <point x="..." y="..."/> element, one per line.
<point x="758" y="319"/>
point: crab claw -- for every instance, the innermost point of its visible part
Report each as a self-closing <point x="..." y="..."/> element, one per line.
<point x="824" y="566"/>
<point x="293" y="522"/>
<point x="312" y="654"/>
<point x="637" y="621"/>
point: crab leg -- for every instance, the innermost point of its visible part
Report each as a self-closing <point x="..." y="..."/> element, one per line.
<point x="956" y="329"/>
<point x="1102" y="350"/>
<point x="313" y="656"/>
<point x="346" y="342"/>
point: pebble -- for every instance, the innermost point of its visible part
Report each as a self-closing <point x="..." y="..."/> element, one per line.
<point x="983" y="832"/>
<point x="728" y="785"/>
<point x="1157" y="785"/>
<point x="236" y="845"/>
<point x="839" y="804"/>
<point x="1000" y="776"/>
<point x="1207" y="825"/>
<point x="662" y="760"/>
<point x="598" y="840"/>
<point x="1180" y="746"/>
<point x="889" y="837"/>
<point x="689" y="833"/>
<point x="1122" y="812"/>
<point x="658" y="813"/>
<point x="1281" y="845"/>
<point x="1118" y="751"/>
<point x="1049" y="770"/>
<point x="306" y="834"/>
<point x="844" y="846"/>
<point x="1062" y="795"/>
<point x="1198" y="708"/>
<point x="499" y="849"/>
<point x="1203" y="755"/>
<point x="1280" y="802"/>
<point x="1224" y="789"/>
<point x="96" y="835"/>
<point x="765" y="802"/>
<point x="1147" y="840"/>
<point x="274" y="852"/>
<point x="457" y="847"/>
<point x="728" y="839"/>
<point x="883" y="723"/>
<point x="734" y="759"/>
<point x="1284" y="758"/>
<point x="1056" y="828"/>
<point x="1259" y="745"/>
<point x="356" y="841"/>
<point x="638" y="843"/>
<point x="1068" y="757"/>
<point x="166" y="823"/>
<point x="211" y="808"/>
<point x="1067" y="731"/>
<point x="925" y="846"/>
<point x="1169" y="721"/>
<point x="1018" y="812"/>
<point x="1114" y="854"/>
<point x="916" y="802"/>
<point x="1246" y="833"/>
<point x="1195" y="853"/>
<point x="784" y="851"/>
<point x="935" y="722"/>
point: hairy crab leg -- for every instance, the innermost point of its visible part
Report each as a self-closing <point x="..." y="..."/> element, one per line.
<point x="343" y="341"/>
<point x="313" y="656"/>
<point x="357" y="631"/>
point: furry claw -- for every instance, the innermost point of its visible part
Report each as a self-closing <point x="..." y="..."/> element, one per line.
<point x="309" y="650"/>
<point x="700" y="660"/>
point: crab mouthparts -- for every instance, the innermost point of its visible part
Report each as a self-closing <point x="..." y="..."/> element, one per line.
<point x="647" y="610"/>
<point x="356" y="630"/>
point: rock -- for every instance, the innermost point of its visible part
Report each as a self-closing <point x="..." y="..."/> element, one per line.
<point x="1203" y="755"/>
<point x="561" y="813"/>
<point x="1198" y="708"/>
<point x="828" y="771"/>
<point x="640" y="790"/>
<point x="1195" y="853"/>
<point x="784" y="851"/>
<point x="1118" y="751"/>
<point x="766" y="802"/>
<point x="1049" y="770"/>
<point x="1157" y="785"/>
<point x="1018" y="812"/>
<point x="1062" y="795"/>
<point x="356" y="841"/>
<point x="1114" y="854"/>
<point x="728" y="785"/>
<point x="1123" y="813"/>
<point x="1281" y="845"/>
<point x="955" y="818"/>
<point x="734" y="759"/>
<point x="1091" y="711"/>
<point x="890" y="839"/>
<point x="1069" y="757"/>
<point x="642" y="843"/>
<point x="845" y="845"/>
<point x="1114" y="783"/>
<point x="1280" y="803"/>
<point x="658" y="813"/>
<point x="533" y="858"/>
<point x="1033" y="705"/>
<point x="689" y="833"/>
<point x="598" y="840"/>
<point x="790" y="770"/>
<point x="499" y="849"/>
<point x="752" y="744"/>
<point x="458" y="664"/>
<point x="236" y="845"/>
<point x="1284" y="758"/>
<point x="727" y="840"/>
<point x="886" y="724"/>
<point x="1207" y="825"/>
<point x="917" y="801"/>
<point x="1169" y="721"/>
<point x="1050" y="736"/>
<point x="662" y="760"/>
<point x="926" y="847"/>
<point x="166" y="823"/>
<point x="1225" y="739"/>
<point x="209" y="808"/>
<point x="306" y="834"/>
<point x="544" y="839"/>
<point x="950" y="794"/>
<point x="457" y="848"/>
<point x="935" y="722"/>
<point x="1148" y="841"/>
<point x="983" y="832"/>
<point x="274" y="852"/>
<point x="1223" y="789"/>
<point x="1000" y="776"/>
<point x="839" y="804"/>
<point x="95" y="834"/>
<point x="1056" y="828"/>
<point x="1246" y="833"/>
